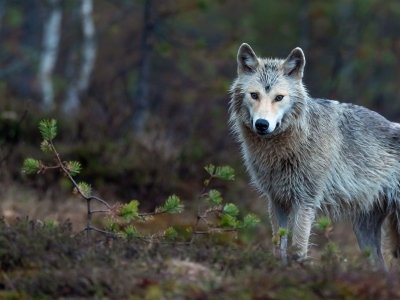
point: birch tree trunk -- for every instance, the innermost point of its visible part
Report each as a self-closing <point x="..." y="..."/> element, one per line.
<point x="80" y="84"/>
<point x="51" y="38"/>
<point x="142" y="93"/>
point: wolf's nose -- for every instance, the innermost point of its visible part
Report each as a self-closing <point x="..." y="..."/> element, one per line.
<point x="262" y="125"/>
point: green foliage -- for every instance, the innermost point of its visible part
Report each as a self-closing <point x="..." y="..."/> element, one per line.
<point x="130" y="211"/>
<point x="85" y="188"/>
<point x="30" y="166"/>
<point x="172" y="205"/>
<point x="130" y="233"/>
<point x="45" y="146"/>
<point x="282" y="231"/>
<point x="48" y="129"/>
<point x="367" y="252"/>
<point x="227" y="221"/>
<point x="113" y="227"/>
<point x="331" y="248"/>
<point x="323" y="224"/>
<point x="214" y="197"/>
<point x="231" y="209"/>
<point x="225" y="173"/>
<point x="210" y="169"/>
<point x="74" y="167"/>
<point x="250" y="221"/>
<point x="170" y="233"/>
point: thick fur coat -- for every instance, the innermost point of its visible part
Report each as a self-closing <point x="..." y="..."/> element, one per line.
<point x="322" y="158"/>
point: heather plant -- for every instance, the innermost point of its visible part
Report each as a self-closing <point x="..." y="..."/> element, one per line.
<point x="227" y="214"/>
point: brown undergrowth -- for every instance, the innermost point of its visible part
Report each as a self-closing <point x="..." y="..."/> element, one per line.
<point x="40" y="260"/>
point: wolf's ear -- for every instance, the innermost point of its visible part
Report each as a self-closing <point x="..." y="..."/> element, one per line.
<point x="294" y="64"/>
<point x="247" y="60"/>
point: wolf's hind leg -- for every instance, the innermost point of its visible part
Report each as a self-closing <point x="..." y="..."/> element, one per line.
<point x="279" y="216"/>
<point x="392" y="235"/>
<point x="367" y="228"/>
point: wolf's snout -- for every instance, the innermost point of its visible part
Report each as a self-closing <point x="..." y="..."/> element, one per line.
<point x="262" y="125"/>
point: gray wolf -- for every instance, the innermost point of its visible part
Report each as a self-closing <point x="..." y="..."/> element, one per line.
<point x="314" y="157"/>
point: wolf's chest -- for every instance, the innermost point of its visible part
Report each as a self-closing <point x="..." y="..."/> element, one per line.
<point x="277" y="174"/>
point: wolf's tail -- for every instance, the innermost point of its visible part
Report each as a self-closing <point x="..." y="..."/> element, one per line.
<point x="392" y="234"/>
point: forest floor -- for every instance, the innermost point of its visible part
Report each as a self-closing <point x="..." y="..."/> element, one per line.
<point x="40" y="259"/>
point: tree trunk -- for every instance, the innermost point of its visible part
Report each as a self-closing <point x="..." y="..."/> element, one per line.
<point x="51" y="38"/>
<point x="79" y="86"/>
<point x="142" y="93"/>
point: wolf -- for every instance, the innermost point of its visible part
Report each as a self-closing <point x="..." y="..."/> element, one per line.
<point x="314" y="157"/>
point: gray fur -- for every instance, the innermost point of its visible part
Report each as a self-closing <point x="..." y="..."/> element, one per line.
<point x="325" y="159"/>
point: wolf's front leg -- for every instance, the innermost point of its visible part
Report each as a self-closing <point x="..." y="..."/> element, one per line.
<point x="279" y="218"/>
<point x="303" y="218"/>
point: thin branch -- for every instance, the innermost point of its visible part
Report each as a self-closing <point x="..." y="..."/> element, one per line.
<point x="99" y="211"/>
<point x="151" y="214"/>
<point x="199" y="216"/>
<point x="83" y="230"/>
<point x="73" y="181"/>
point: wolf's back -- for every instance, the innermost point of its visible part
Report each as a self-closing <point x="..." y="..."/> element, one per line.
<point x="365" y="157"/>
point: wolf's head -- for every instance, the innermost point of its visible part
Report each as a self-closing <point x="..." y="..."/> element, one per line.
<point x="268" y="93"/>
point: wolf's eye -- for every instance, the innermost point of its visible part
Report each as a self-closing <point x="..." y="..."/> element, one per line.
<point x="254" y="96"/>
<point x="279" y="98"/>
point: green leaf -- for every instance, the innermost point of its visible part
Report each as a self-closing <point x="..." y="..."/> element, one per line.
<point x="206" y="182"/>
<point x="114" y="227"/>
<point x="170" y="233"/>
<point x="172" y="205"/>
<point x="85" y="188"/>
<point x="130" y="233"/>
<point x="250" y="221"/>
<point x="231" y="209"/>
<point x="210" y="169"/>
<point x="214" y="197"/>
<point x="130" y="211"/>
<point x="74" y="167"/>
<point x="226" y="173"/>
<point x="30" y="166"/>
<point x="332" y="247"/>
<point x="282" y="231"/>
<point x="48" y="129"/>
<point x="45" y="146"/>
<point x="323" y="223"/>
<point x="227" y="221"/>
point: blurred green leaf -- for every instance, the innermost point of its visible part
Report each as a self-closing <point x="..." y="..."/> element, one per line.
<point x="214" y="197"/>
<point x="226" y="173"/>
<point x="172" y="205"/>
<point x="250" y="221"/>
<point x="170" y="233"/>
<point x="48" y="129"/>
<point x="282" y="231"/>
<point x="74" y="167"/>
<point x="30" y="166"/>
<point x="84" y="188"/>
<point x="130" y="233"/>
<point x="130" y="211"/>
<point x="210" y="169"/>
<point x="323" y="223"/>
<point x="231" y="209"/>
<point x="227" y="221"/>
<point x="45" y="146"/>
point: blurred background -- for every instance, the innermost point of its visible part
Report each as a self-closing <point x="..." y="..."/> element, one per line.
<point x="140" y="90"/>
